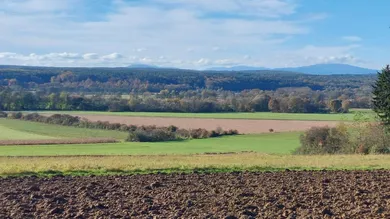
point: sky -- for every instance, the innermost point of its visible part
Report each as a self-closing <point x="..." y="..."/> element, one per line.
<point x="194" y="34"/>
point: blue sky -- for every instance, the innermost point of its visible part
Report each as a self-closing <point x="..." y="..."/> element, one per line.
<point x="194" y="33"/>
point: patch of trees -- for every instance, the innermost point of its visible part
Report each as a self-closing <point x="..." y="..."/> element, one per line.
<point x="136" y="133"/>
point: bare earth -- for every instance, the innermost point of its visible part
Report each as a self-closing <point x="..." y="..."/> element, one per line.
<point x="244" y="126"/>
<point x="306" y="194"/>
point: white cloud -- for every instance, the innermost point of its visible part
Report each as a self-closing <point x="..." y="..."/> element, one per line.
<point x="112" y="56"/>
<point x="352" y="38"/>
<point x="203" y="61"/>
<point x="91" y="56"/>
<point x="8" y="55"/>
<point x="63" y="55"/>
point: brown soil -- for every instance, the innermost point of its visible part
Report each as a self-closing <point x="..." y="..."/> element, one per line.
<point x="244" y="126"/>
<point x="306" y="194"/>
<point x="57" y="141"/>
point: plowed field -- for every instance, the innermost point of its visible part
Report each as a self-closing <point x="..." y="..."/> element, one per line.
<point x="244" y="126"/>
<point x="306" y="194"/>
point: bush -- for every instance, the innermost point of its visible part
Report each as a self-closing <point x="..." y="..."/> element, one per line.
<point x="233" y="132"/>
<point x="17" y="115"/>
<point x="156" y="135"/>
<point x="32" y="117"/>
<point x="323" y="140"/>
<point x="358" y="138"/>
<point x="3" y="114"/>
<point x="201" y="133"/>
<point x="372" y="139"/>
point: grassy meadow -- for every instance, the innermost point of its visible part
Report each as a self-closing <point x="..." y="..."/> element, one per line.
<point x="273" y="143"/>
<point x="7" y="133"/>
<point x="257" y="115"/>
<point x="18" y="129"/>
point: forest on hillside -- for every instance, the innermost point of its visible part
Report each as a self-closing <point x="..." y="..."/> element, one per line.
<point x="178" y="90"/>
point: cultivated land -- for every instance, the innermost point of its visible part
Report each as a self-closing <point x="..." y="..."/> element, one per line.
<point x="276" y="143"/>
<point x="252" y="116"/>
<point x="7" y="133"/>
<point x="211" y="178"/>
<point x="24" y="129"/>
<point x="244" y="126"/>
<point x="306" y="194"/>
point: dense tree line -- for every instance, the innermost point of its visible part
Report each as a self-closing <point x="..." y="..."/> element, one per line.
<point x="177" y="90"/>
<point x="292" y="101"/>
<point x="125" y="80"/>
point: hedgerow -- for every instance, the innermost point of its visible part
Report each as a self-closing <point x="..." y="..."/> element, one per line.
<point x="136" y="133"/>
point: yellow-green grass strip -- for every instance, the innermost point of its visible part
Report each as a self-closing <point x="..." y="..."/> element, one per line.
<point x="256" y="115"/>
<point x="185" y="163"/>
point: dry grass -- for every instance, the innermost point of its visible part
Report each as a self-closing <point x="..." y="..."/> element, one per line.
<point x="15" y="165"/>
<point x="58" y="141"/>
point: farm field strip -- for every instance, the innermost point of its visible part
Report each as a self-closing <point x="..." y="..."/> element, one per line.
<point x="29" y="142"/>
<point x="177" y="163"/>
<point x="7" y="133"/>
<point x="244" y="126"/>
<point x="250" y="116"/>
<point x="33" y="130"/>
<point x="272" y="143"/>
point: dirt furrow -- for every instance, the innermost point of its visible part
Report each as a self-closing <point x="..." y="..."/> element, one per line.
<point x="289" y="194"/>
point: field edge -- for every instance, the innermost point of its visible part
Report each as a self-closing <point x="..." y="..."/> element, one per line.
<point x="178" y="170"/>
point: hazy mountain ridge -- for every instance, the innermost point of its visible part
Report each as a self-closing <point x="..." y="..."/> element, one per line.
<point x="318" y="69"/>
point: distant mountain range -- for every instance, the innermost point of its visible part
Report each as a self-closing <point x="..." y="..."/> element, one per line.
<point x="237" y="68"/>
<point x="319" y="69"/>
<point x="142" y="66"/>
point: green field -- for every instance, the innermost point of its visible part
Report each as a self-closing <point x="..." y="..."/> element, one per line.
<point x="258" y="116"/>
<point x="277" y="143"/>
<point x="24" y="130"/>
<point x="12" y="134"/>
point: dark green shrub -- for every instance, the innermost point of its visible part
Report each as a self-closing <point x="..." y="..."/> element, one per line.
<point x="17" y="115"/>
<point x="65" y="120"/>
<point x="32" y="117"/>
<point x="199" y="133"/>
<point x="3" y="114"/>
<point x="156" y="135"/>
<point x="172" y="128"/>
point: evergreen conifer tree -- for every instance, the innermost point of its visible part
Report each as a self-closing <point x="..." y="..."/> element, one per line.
<point x="381" y="96"/>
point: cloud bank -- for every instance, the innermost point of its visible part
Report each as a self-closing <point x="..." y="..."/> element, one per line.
<point x="176" y="33"/>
